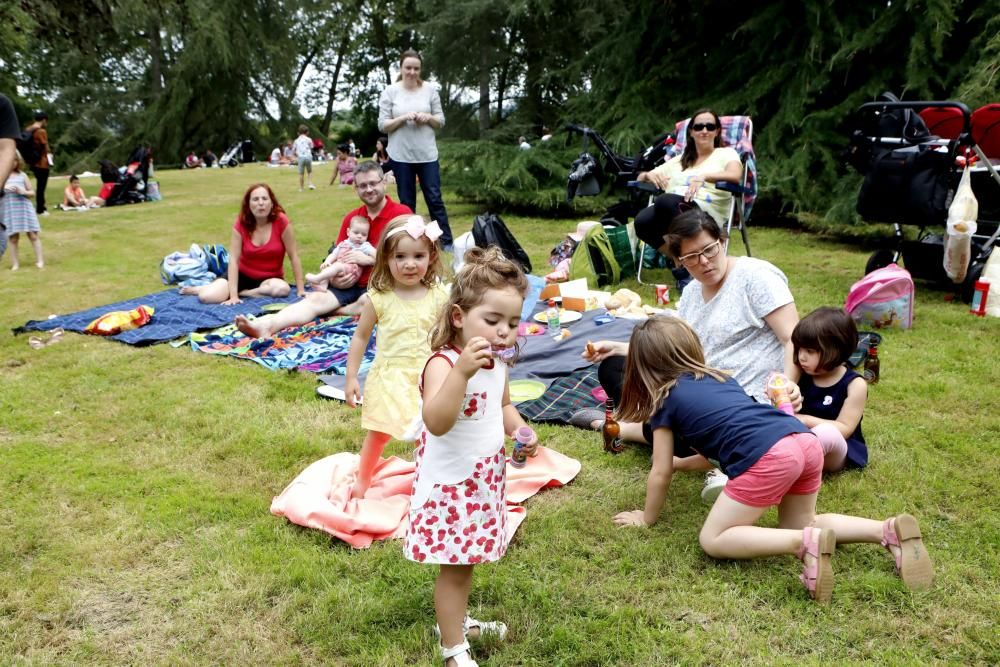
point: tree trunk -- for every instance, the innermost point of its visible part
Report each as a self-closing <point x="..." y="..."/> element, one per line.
<point x="504" y="74"/>
<point x="381" y="43"/>
<point x="484" y="90"/>
<point x="341" y="52"/>
<point x="155" y="59"/>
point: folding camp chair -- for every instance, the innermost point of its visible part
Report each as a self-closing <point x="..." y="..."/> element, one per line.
<point x="737" y="133"/>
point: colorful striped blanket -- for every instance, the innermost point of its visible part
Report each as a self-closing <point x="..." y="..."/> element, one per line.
<point x="319" y="346"/>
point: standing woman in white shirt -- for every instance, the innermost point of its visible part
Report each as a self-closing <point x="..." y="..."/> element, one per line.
<point x="410" y="113"/>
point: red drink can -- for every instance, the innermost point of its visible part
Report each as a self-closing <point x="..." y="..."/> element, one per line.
<point x="662" y="295"/>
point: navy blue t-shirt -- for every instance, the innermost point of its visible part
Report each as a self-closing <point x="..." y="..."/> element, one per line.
<point x="721" y="422"/>
<point x="826" y="403"/>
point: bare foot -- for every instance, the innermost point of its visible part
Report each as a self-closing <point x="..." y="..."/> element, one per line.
<point x="312" y="278"/>
<point x="15" y="267"/>
<point x="40" y="265"/>
<point x="252" y="328"/>
<point x="189" y="290"/>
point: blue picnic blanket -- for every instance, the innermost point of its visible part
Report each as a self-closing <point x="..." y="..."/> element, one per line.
<point x="175" y="315"/>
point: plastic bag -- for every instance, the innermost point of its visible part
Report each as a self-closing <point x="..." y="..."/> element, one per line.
<point x="962" y="216"/>
<point x="118" y="321"/>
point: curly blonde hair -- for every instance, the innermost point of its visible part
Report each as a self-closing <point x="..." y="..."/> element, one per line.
<point x="661" y="349"/>
<point x="381" y="279"/>
<point x="484" y="269"/>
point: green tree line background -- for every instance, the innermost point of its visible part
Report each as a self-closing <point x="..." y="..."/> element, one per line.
<point x="184" y="75"/>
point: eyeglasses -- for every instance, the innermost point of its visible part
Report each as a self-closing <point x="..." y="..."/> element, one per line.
<point x="708" y="252"/>
<point x="367" y="186"/>
<point x="698" y="127"/>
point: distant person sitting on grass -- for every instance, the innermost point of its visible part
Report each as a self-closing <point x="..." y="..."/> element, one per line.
<point x="378" y="209"/>
<point x="262" y="236"/>
<point x="74" y="197"/>
<point x="344" y="166"/>
<point x="344" y="274"/>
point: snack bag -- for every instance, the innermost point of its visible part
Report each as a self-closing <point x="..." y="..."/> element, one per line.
<point x="118" y="321"/>
<point x="962" y="216"/>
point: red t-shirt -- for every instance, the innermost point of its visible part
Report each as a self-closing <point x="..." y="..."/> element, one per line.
<point x="265" y="261"/>
<point x="376" y="225"/>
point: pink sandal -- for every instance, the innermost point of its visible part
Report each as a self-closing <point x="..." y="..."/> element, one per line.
<point x="817" y="576"/>
<point x="913" y="563"/>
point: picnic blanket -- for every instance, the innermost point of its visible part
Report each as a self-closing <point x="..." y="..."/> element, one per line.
<point x="318" y="346"/>
<point x="319" y="497"/>
<point x="175" y="315"/>
<point x="563" y="397"/>
<point x="542" y="358"/>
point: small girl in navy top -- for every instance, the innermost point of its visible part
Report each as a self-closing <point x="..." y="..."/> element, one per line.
<point x="833" y="396"/>
<point x="771" y="458"/>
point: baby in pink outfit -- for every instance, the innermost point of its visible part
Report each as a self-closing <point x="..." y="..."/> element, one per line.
<point x="342" y="275"/>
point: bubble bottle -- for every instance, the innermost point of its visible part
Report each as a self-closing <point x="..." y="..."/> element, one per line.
<point x="522" y="437"/>
<point x="777" y="391"/>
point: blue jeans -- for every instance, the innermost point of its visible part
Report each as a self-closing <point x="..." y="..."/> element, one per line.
<point x="430" y="184"/>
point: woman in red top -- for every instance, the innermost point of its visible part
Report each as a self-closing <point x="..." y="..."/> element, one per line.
<point x="261" y="238"/>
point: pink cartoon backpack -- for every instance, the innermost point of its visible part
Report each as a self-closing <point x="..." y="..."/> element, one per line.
<point x="882" y="300"/>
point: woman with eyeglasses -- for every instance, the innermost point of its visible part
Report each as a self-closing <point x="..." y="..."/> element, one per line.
<point x="741" y="309"/>
<point x="690" y="180"/>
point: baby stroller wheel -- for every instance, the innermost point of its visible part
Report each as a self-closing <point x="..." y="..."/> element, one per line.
<point x="974" y="273"/>
<point x="881" y="259"/>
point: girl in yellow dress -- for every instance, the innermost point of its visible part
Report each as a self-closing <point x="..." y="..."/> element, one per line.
<point x="404" y="299"/>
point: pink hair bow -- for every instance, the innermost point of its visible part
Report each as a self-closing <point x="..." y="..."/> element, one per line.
<point x="416" y="228"/>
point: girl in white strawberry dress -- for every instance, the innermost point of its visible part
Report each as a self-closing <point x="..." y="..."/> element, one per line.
<point x="458" y="506"/>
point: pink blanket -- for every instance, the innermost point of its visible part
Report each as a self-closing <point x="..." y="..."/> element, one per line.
<point x="320" y="496"/>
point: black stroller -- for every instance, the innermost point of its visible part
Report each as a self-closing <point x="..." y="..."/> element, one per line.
<point x="588" y="177"/>
<point x="910" y="179"/>
<point x="130" y="181"/>
<point x="239" y="153"/>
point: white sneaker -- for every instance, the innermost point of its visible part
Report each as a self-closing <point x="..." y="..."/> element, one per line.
<point x="312" y="187"/>
<point x="715" y="481"/>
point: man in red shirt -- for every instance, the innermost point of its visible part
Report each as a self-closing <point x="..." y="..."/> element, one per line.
<point x="379" y="209"/>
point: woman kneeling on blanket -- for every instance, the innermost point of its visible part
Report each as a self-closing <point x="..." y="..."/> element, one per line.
<point x="262" y="236"/>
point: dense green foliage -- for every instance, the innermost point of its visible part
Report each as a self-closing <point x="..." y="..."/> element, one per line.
<point x="186" y="74"/>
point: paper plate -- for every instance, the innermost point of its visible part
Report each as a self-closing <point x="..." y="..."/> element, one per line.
<point x="565" y="316"/>
<point x="525" y="390"/>
<point x="527" y="329"/>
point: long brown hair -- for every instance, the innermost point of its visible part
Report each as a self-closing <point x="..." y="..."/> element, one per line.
<point x="484" y="269"/>
<point x="690" y="153"/>
<point x="381" y="279"/>
<point x="661" y="349"/>
<point x="246" y="217"/>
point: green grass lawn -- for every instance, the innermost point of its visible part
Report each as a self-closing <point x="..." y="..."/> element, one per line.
<point x="135" y="486"/>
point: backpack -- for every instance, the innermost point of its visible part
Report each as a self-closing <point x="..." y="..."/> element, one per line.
<point x="195" y="267"/>
<point x="883" y="299"/>
<point x="594" y="259"/>
<point x="27" y="147"/>
<point x="488" y="229"/>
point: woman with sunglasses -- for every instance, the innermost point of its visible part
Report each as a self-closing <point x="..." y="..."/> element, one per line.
<point x="741" y="309"/>
<point x="690" y="179"/>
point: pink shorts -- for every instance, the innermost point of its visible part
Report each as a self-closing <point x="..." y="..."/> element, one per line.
<point x="793" y="465"/>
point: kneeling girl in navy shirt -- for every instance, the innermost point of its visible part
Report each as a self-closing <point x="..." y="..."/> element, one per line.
<point x="770" y="458"/>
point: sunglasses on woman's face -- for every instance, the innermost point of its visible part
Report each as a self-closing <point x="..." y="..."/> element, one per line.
<point x="698" y="127"/>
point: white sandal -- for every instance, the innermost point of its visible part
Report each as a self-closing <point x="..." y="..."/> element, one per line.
<point x="487" y="629"/>
<point x="460" y="654"/>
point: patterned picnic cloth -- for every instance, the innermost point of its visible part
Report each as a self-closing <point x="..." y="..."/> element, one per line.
<point x="319" y="346"/>
<point x="563" y="397"/>
<point x="175" y="315"/>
